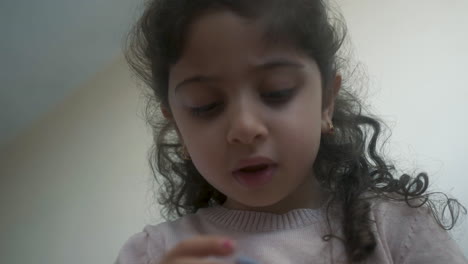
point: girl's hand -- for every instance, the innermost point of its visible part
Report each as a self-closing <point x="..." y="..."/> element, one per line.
<point x="194" y="250"/>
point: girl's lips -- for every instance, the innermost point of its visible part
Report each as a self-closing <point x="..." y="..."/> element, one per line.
<point x="254" y="161"/>
<point x="256" y="178"/>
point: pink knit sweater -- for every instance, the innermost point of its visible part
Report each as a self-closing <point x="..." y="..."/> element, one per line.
<point x="403" y="234"/>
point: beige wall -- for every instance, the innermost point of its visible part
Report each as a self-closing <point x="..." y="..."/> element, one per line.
<point x="74" y="187"/>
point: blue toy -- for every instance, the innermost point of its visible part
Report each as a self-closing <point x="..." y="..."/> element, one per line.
<point x="245" y="260"/>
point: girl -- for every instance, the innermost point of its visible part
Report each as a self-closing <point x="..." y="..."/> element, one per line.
<point x="265" y="155"/>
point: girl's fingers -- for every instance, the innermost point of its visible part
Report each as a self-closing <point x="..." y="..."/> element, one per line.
<point x="202" y="246"/>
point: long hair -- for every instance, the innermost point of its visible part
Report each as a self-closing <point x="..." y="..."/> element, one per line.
<point x="349" y="164"/>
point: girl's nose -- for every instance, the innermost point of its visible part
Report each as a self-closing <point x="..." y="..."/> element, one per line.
<point x="246" y="127"/>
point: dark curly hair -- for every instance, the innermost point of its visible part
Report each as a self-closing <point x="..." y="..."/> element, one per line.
<point x="349" y="164"/>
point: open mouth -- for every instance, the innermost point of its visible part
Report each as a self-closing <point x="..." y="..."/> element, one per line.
<point x="255" y="168"/>
<point x="255" y="176"/>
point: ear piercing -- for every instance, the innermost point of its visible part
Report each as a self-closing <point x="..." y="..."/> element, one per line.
<point x="331" y="127"/>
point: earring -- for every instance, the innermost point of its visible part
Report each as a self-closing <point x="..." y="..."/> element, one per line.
<point x="185" y="155"/>
<point x="331" y="127"/>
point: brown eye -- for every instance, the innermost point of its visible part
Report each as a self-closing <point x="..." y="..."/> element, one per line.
<point x="203" y="110"/>
<point x="279" y="96"/>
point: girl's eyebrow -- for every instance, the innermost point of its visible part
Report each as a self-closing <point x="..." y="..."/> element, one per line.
<point x="268" y="65"/>
<point x="196" y="79"/>
<point x="279" y="63"/>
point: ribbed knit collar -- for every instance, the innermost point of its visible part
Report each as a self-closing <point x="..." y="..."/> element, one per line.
<point x="251" y="221"/>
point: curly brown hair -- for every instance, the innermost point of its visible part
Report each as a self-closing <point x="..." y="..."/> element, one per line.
<point x="349" y="164"/>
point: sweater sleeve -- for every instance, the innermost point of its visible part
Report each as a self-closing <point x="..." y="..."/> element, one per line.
<point x="426" y="242"/>
<point x="145" y="247"/>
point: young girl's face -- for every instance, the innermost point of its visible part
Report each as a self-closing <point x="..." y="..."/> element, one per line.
<point x="233" y="97"/>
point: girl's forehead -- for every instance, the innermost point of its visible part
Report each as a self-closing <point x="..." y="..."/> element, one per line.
<point x="224" y="40"/>
<point x="223" y="31"/>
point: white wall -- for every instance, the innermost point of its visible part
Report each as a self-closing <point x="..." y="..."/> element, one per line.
<point x="75" y="186"/>
<point x="415" y="53"/>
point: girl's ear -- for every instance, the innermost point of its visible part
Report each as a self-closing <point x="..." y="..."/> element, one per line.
<point x="166" y="112"/>
<point x="168" y="115"/>
<point x="327" y="113"/>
